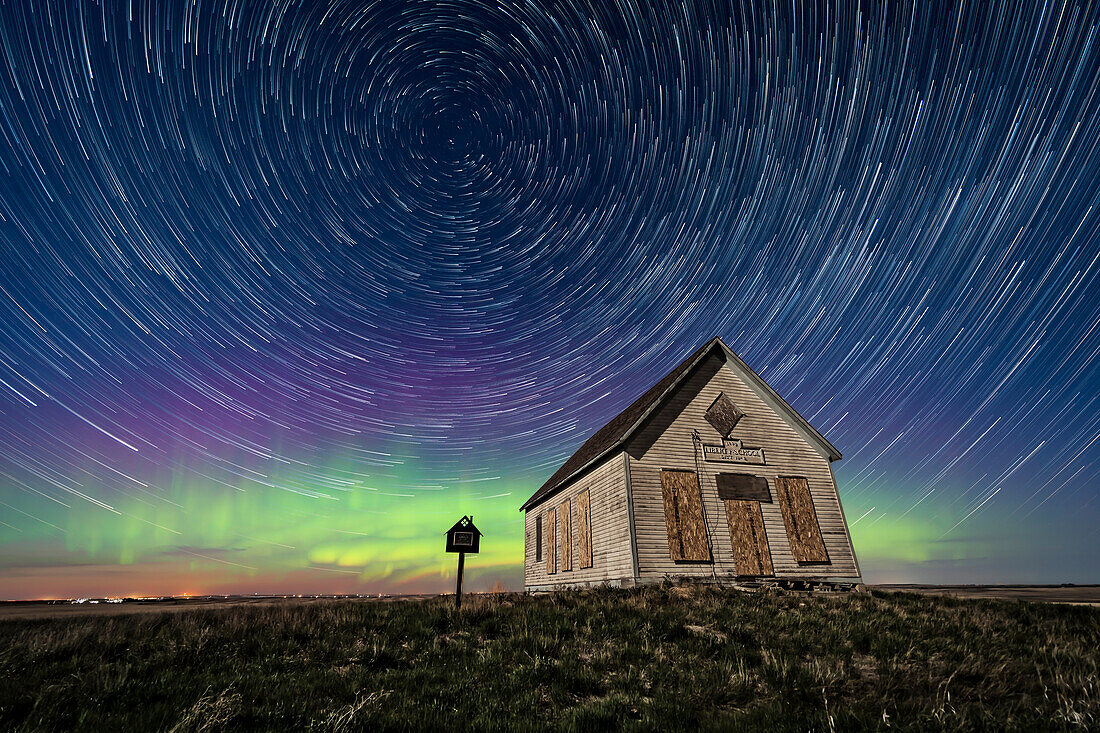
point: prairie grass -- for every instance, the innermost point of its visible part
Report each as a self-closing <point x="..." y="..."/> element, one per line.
<point x="659" y="657"/>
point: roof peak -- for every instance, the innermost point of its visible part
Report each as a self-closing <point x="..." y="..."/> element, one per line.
<point x="623" y="425"/>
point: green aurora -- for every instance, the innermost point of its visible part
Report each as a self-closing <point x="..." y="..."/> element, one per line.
<point x="378" y="535"/>
<point x="202" y="538"/>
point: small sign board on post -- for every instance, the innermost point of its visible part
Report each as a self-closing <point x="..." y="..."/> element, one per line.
<point x="463" y="537"/>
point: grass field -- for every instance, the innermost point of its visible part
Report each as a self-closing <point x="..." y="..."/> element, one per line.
<point x="671" y="657"/>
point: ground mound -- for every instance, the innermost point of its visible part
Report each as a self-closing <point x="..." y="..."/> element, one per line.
<point x="668" y="657"/>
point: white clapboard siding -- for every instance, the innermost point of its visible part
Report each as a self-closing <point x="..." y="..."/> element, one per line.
<point x="611" y="552"/>
<point x="665" y="442"/>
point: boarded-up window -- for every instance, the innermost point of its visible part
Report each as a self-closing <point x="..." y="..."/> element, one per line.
<point x="751" y="555"/>
<point x="687" y="532"/>
<point x="565" y="521"/>
<point x="723" y="415"/>
<point x="800" y="517"/>
<point x="538" y="538"/>
<point x="584" y="530"/>
<point x="742" y="487"/>
<point x="551" y="543"/>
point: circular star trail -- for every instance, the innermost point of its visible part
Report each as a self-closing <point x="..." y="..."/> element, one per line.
<point x="285" y="285"/>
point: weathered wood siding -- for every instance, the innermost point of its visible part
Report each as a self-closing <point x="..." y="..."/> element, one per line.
<point x="665" y="442"/>
<point x="607" y="516"/>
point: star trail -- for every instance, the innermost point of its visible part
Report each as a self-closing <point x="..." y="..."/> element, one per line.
<point x="287" y="288"/>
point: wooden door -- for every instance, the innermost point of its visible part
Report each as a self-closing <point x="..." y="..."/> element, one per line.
<point x="750" y="542"/>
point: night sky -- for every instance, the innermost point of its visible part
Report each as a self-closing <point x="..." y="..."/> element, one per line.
<point x="287" y="288"/>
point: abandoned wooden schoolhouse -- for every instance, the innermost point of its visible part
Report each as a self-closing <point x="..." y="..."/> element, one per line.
<point x="709" y="476"/>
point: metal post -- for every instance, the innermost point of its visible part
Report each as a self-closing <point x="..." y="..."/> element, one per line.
<point x="458" y="587"/>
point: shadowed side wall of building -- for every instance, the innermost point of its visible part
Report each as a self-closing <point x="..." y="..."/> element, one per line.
<point x="610" y="531"/>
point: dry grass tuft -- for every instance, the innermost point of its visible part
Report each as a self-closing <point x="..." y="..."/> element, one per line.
<point x="210" y="712"/>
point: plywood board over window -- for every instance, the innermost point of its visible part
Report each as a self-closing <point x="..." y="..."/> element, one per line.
<point x="687" y="531"/>
<point x="742" y="487"/>
<point x="723" y="415"/>
<point x="803" y="531"/>
<point x="551" y="543"/>
<point x="584" y="530"/>
<point x="565" y="520"/>
<point x="751" y="555"/>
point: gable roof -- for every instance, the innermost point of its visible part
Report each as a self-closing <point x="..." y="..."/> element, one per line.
<point x="465" y="524"/>
<point x="615" y="433"/>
